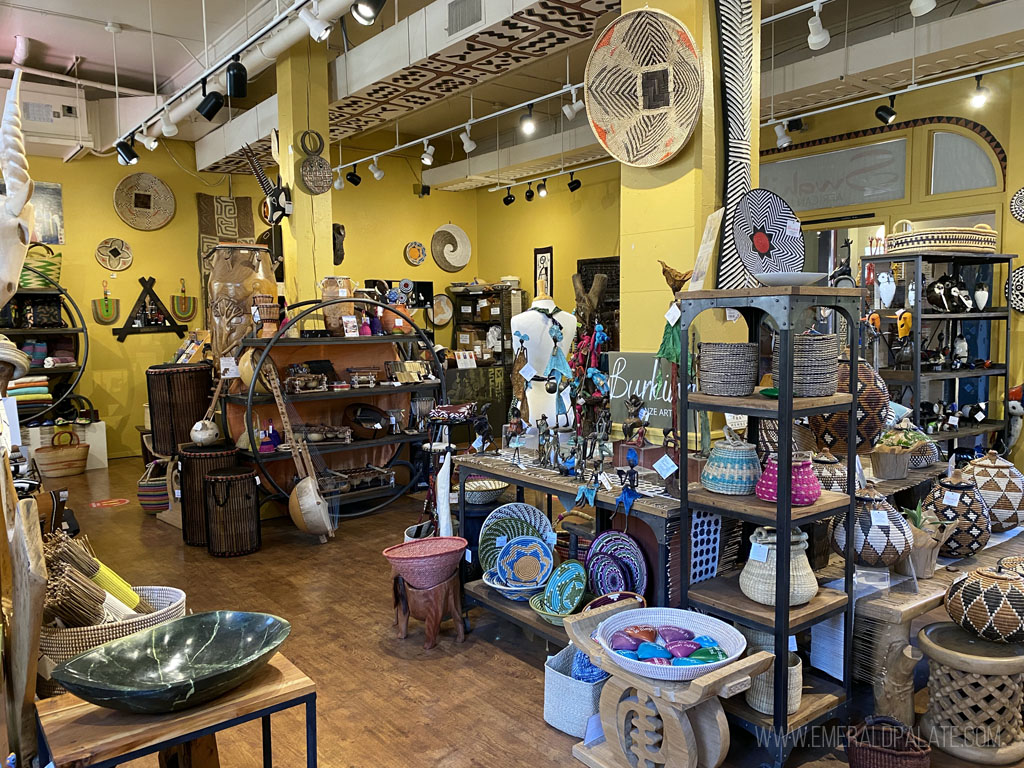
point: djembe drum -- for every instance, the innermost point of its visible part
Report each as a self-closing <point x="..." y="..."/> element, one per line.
<point x="195" y="462"/>
<point x="179" y="395"/>
<point x="232" y="512"/>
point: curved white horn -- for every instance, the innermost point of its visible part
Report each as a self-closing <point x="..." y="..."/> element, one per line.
<point x="13" y="162"/>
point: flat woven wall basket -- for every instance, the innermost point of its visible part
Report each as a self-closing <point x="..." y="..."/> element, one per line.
<point x="905" y="239"/>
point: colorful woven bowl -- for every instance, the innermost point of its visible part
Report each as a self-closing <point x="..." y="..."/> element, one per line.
<point x="606" y="574"/>
<point x="484" y="490"/>
<point x="565" y="588"/>
<point x="623" y="548"/>
<point x="614" y="597"/>
<point x="525" y="561"/>
<point x="503" y="530"/>
<point x="519" y="594"/>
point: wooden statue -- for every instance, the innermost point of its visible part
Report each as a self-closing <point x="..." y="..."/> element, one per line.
<point x="634" y="427"/>
<point x="676" y="280"/>
<point x="238" y="271"/>
<point x="588" y="303"/>
<point x="430" y="606"/>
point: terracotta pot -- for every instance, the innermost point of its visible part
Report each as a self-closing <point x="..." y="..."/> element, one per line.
<point x="1002" y="486"/>
<point x="989" y="602"/>
<point x="392" y="322"/>
<point x="337" y="288"/>
<point x="925" y="552"/>
<point x="874" y="411"/>
<point x="875" y="545"/>
<point x="956" y="500"/>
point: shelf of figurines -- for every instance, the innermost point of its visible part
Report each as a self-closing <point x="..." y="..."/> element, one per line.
<point x="942" y="257"/>
<point x="892" y="374"/>
<point x="307" y="341"/>
<point x="381" y="388"/>
<point x="763" y="406"/>
<point x="332" y="446"/>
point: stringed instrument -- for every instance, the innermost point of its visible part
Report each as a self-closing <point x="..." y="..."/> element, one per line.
<point x="277" y="201"/>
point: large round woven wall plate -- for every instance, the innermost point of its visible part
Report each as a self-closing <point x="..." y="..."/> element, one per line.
<point x="144" y="202"/>
<point x="1017" y="205"/>
<point x="767" y="233"/>
<point x="450" y="247"/>
<point x="644" y="87"/>
<point x="1014" y="290"/>
<point x="114" y="254"/>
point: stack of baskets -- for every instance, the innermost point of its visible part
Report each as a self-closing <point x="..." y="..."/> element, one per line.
<point x="815" y="365"/>
<point x="727" y="369"/>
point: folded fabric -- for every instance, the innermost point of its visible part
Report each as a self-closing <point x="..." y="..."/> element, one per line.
<point x="23" y="399"/>
<point x="58" y="360"/>
<point x="30" y="381"/>
<point x="25" y="391"/>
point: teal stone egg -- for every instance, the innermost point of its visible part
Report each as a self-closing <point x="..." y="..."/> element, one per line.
<point x="652" y="651"/>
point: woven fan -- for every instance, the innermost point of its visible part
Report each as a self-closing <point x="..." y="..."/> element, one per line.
<point x="183" y="307"/>
<point x="106" y="311"/>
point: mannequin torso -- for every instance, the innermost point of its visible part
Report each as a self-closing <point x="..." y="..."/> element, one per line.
<point x="535" y="325"/>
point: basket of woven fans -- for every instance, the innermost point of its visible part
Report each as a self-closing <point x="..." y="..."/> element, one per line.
<point x="87" y="604"/>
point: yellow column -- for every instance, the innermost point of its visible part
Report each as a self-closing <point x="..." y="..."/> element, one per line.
<point x="302" y="105"/>
<point x="663" y="210"/>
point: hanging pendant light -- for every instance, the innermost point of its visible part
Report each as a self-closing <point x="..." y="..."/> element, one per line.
<point x="237" y="78"/>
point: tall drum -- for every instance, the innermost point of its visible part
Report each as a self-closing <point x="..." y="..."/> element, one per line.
<point x="232" y="512"/>
<point x="195" y="462"/>
<point x="179" y="395"/>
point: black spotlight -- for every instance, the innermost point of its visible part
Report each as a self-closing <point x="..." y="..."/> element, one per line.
<point x="237" y="77"/>
<point x="542" y="188"/>
<point x="796" y="124"/>
<point x="529" y="193"/>
<point x="509" y="198"/>
<point x="352" y="177"/>
<point x="574" y="183"/>
<point x="366" y="11"/>
<point x="887" y="114"/>
<point x="126" y="154"/>
<point x="211" y="103"/>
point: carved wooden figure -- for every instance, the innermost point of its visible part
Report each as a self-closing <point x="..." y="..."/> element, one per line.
<point x="237" y="273"/>
<point x="430" y="606"/>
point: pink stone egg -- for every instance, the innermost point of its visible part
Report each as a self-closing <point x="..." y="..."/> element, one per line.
<point x="668" y="634"/>
<point x="682" y="648"/>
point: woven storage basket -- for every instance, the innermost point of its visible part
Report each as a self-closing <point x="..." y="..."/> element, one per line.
<point x="757" y="579"/>
<point x="761" y="693"/>
<point x="59" y="645"/>
<point x="729" y="640"/>
<point x="568" y="703"/>
<point x="885" y="742"/>
<point x="732" y="468"/>
<point x="42" y="257"/>
<point x="152" y="491"/>
<point x="727" y="369"/>
<point x="425" y="563"/>
<point x="905" y="239"/>
<point x="924" y="454"/>
<point x="484" y="490"/>
<point x="815" y="365"/>
<point x="61" y="459"/>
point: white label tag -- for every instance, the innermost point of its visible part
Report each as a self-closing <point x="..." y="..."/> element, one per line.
<point x="603" y="477"/>
<point x="501" y="541"/>
<point x="551" y="538"/>
<point x="255" y="315"/>
<point x="463" y="338"/>
<point x="258" y="480"/>
<point x="732" y="315"/>
<point x="495" y="311"/>
<point x="229" y="368"/>
<point x="951" y="498"/>
<point x="528" y="372"/>
<point x="673" y="314"/>
<point x="469" y="555"/>
<point x="466" y="309"/>
<point x="979" y="416"/>
<point x="793" y="228"/>
<point x="758" y="552"/>
<point x="736" y="421"/>
<point x="399" y="322"/>
<point x="879" y="517"/>
<point x="343" y="293"/>
<point x="954" y="421"/>
<point x="63" y="495"/>
<point x="177" y="493"/>
<point x="481" y="304"/>
<point x="665" y="466"/>
<point x="478" y="444"/>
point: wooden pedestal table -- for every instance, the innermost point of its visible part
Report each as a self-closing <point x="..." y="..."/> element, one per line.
<point x="77" y="734"/>
<point x="429" y="606"/>
<point x="652" y="723"/>
<point x="974" y="695"/>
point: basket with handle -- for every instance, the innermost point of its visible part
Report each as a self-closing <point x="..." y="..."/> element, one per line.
<point x="152" y="491"/>
<point x="733" y="467"/>
<point x="884" y="742"/>
<point x="41" y="257"/>
<point x="61" y="459"/>
<point x="980" y="238"/>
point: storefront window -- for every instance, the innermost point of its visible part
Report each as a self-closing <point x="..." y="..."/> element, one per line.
<point x="958" y="164"/>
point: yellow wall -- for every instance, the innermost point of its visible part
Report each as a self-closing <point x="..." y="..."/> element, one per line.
<point x="115" y="377"/>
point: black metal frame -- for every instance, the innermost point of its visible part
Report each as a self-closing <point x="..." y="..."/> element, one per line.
<point x="312" y="306"/>
<point x="785" y="310"/>
<point x="309" y="700"/>
<point x="956" y="260"/>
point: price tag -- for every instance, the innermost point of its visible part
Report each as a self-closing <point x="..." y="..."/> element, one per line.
<point x="229" y="368"/>
<point x="951" y="498"/>
<point x="878" y="517"/>
<point x="732" y="315"/>
<point x="979" y="416"/>
<point x="466" y="309"/>
<point x="603" y="477"/>
<point x="673" y="314"/>
<point x="469" y="555"/>
<point x="758" y="552"/>
<point x="954" y="421"/>
<point x="478" y="444"/>
<point x="63" y="495"/>
<point x="177" y="493"/>
<point x="399" y="322"/>
<point x="501" y="541"/>
<point x="665" y="466"/>
<point x="793" y="228"/>
<point x="258" y="483"/>
<point x="255" y="314"/>
<point x="551" y="538"/>
<point x="481" y="304"/>
<point x="736" y="421"/>
<point x="495" y="311"/>
<point x="528" y="372"/>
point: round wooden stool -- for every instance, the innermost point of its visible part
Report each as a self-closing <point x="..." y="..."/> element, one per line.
<point x="430" y="606"/>
<point x="974" y="695"/>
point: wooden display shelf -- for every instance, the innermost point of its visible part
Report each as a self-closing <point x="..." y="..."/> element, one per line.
<point x="999" y="313"/>
<point x="304" y="342"/>
<point x="984" y="427"/>
<point x="332" y="446"/>
<point x="521" y="614"/>
<point x="890" y="374"/>
<point x="40" y="331"/>
<point x="723" y="597"/>
<point x="754" y="510"/>
<point x="913" y="479"/>
<point x="732" y="294"/>
<point x="38" y="370"/>
<point x="768" y="407"/>
<point x="820" y="696"/>
<point x="359" y="392"/>
<point x="366" y="494"/>
<point x="943" y="257"/>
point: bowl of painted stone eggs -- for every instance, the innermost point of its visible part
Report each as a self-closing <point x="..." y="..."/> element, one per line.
<point x="668" y="643"/>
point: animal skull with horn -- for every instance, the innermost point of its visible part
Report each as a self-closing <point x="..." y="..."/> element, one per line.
<point x="17" y="216"/>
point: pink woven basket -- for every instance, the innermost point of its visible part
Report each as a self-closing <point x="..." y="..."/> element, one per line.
<point x="425" y="563"/>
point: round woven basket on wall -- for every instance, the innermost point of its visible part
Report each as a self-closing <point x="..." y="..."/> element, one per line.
<point x="727" y="369"/>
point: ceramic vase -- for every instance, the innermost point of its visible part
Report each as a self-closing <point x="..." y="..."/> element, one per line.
<point x="1001" y="485"/>
<point x="955" y="500"/>
<point x="757" y="579"/>
<point x="989" y="602"/>
<point x="875" y="544"/>
<point x="337" y="288"/>
<point x="804" y="487"/>
<point x="392" y="322"/>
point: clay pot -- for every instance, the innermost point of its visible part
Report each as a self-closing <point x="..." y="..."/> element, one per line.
<point x="830" y="430"/>
<point x="337" y="288"/>
<point x="925" y="552"/>
<point x="875" y="545"/>
<point x="1002" y="486"/>
<point x="392" y="322"/>
<point x="955" y="500"/>
<point x="989" y="602"/>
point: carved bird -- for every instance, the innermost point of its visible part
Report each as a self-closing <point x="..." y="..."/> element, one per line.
<point x="675" y="279"/>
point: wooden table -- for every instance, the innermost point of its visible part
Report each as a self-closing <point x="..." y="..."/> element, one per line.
<point x="889" y="656"/>
<point x="519" y="613"/>
<point x="76" y="734"/>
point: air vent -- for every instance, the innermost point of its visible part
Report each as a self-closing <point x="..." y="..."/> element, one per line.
<point x="463" y="14"/>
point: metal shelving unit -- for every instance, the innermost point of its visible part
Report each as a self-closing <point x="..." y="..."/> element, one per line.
<point x="917" y="379"/>
<point x="823" y="698"/>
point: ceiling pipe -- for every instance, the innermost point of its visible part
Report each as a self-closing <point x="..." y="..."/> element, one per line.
<point x="5" y="67"/>
<point x="256" y="53"/>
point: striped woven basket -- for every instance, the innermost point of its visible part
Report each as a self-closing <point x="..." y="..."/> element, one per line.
<point x="980" y="238"/>
<point x="62" y="459"/>
<point x="815" y="365"/>
<point x="59" y="645"/>
<point x="727" y="369"/>
<point x="152" y="491"/>
<point x="41" y="257"/>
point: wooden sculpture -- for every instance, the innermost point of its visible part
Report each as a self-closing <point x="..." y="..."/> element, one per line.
<point x="659" y="723"/>
<point x="430" y="606"/>
<point x="17" y="216"/>
<point x="238" y="271"/>
<point x="588" y="303"/>
<point x="676" y="280"/>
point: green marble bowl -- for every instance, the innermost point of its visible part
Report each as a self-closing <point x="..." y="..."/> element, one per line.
<point x="176" y="665"/>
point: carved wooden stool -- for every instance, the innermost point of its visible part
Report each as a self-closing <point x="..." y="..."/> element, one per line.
<point x="974" y="695"/>
<point x="430" y="606"/>
<point x="658" y="723"/>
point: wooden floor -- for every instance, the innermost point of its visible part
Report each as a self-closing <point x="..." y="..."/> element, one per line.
<point x="382" y="701"/>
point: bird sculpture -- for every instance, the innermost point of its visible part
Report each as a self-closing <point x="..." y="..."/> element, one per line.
<point x="675" y="279"/>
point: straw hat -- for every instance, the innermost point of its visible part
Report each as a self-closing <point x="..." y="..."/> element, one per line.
<point x="11" y="354"/>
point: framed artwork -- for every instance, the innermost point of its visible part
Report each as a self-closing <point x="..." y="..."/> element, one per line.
<point x="49" y="206"/>
<point x="543" y="271"/>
